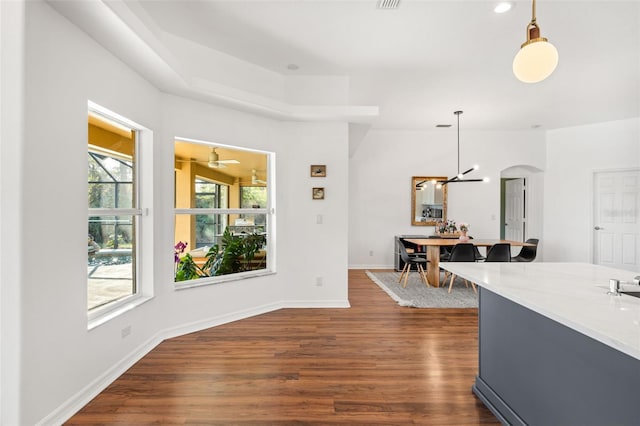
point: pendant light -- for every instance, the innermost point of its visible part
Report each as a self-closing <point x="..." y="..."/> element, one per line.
<point x="537" y="58"/>
<point x="459" y="177"/>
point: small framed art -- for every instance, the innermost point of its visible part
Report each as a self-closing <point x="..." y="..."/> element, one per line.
<point x="318" y="194"/>
<point x="319" y="170"/>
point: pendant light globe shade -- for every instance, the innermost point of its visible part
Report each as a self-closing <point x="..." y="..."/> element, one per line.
<point x="535" y="61"/>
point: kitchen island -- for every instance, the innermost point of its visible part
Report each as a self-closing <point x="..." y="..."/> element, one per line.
<point x="554" y="347"/>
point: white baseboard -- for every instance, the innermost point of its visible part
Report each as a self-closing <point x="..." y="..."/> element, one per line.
<point x="219" y="320"/>
<point x="65" y="411"/>
<point x="85" y="395"/>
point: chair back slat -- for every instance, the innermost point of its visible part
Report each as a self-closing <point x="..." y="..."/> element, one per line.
<point x="527" y="254"/>
<point x="500" y="252"/>
<point x="463" y="252"/>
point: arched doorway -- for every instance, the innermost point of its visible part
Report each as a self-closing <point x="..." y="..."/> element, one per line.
<point x="521" y="202"/>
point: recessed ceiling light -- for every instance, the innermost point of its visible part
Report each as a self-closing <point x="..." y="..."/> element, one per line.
<point x="293" y="67"/>
<point x="503" y="6"/>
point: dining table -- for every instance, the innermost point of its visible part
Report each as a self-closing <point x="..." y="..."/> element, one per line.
<point x="433" y="251"/>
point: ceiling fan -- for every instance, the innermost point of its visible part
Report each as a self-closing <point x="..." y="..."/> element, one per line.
<point x="255" y="180"/>
<point x="214" y="161"/>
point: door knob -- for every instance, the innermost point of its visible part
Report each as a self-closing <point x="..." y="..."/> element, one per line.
<point x="597" y="228"/>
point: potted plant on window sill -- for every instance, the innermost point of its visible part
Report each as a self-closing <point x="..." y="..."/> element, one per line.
<point x="235" y="253"/>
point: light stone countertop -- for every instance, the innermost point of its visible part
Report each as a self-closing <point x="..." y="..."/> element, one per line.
<point x="573" y="294"/>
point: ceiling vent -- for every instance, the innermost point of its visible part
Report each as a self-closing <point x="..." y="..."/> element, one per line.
<point x="388" y="4"/>
<point x="443" y="125"/>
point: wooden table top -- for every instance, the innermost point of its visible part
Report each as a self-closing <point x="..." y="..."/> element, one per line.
<point x="453" y="242"/>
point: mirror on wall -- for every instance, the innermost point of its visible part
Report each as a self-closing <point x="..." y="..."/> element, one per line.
<point x="428" y="200"/>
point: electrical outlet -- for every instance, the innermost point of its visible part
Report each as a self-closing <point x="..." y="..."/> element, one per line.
<point x="370" y="252"/>
<point x="126" y="331"/>
<point x="319" y="281"/>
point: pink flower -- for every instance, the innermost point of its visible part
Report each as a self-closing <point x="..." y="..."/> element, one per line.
<point x="178" y="250"/>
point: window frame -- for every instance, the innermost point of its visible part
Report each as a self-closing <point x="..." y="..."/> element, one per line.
<point x="142" y="263"/>
<point x="268" y="211"/>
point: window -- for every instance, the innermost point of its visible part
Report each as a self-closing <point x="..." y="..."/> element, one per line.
<point x="222" y="204"/>
<point x="253" y="197"/>
<point x="114" y="221"/>
<point x="210" y="195"/>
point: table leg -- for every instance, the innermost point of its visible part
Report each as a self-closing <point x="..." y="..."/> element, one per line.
<point x="433" y="268"/>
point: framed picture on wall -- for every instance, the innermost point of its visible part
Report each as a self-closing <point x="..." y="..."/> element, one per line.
<point x="319" y="171"/>
<point x="318" y="194"/>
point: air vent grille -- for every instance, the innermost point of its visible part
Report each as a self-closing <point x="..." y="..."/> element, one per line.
<point x="388" y="4"/>
<point x="443" y="125"/>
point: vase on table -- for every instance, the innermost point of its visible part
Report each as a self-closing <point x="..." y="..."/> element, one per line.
<point x="463" y="236"/>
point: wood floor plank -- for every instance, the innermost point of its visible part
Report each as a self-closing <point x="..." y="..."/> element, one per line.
<point x="374" y="364"/>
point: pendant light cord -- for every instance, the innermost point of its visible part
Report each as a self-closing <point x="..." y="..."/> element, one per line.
<point x="533" y="11"/>
<point x="459" y="176"/>
<point x="458" y="114"/>
<point x="458" y="143"/>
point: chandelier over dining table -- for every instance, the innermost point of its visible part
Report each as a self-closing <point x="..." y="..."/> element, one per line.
<point x="459" y="177"/>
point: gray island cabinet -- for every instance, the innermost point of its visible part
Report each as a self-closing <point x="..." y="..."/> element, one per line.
<point x="554" y="347"/>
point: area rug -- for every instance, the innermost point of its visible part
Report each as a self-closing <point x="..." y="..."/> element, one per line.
<point x="418" y="295"/>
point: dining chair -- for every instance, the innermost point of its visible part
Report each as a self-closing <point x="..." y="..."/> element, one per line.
<point x="527" y="254"/>
<point x="398" y="264"/>
<point x="500" y="252"/>
<point x="479" y="256"/>
<point x="461" y="252"/>
<point x="409" y="261"/>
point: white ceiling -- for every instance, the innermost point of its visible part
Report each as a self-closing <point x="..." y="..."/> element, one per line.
<point x="423" y="61"/>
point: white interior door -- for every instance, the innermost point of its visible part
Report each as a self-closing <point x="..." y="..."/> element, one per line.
<point x="616" y="226"/>
<point x="514" y="220"/>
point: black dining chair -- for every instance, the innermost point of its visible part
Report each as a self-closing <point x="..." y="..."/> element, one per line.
<point x="479" y="256"/>
<point x="461" y="252"/>
<point x="500" y="252"/>
<point x="409" y="261"/>
<point x="527" y="254"/>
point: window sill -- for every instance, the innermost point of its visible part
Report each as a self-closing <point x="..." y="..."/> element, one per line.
<point x="107" y="315"/>
<point x="182" y="285"/>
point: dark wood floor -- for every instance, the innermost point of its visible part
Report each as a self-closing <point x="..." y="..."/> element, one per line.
<point x="376" y="363"/>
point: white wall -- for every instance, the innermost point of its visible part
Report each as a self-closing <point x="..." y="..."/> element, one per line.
<point x="61" y="362"/>
<point x="380" y="183"/>
<point x="573" y="155"/>
<point x="382" y="166"/>
<point x="11" y="190"/>
<point x="64" y="70"/>
<point x="305" y="249"/>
